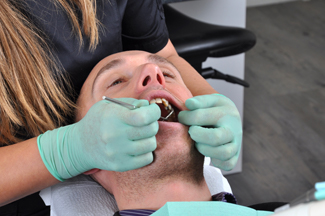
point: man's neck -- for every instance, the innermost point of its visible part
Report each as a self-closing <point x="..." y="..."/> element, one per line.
<point x="155" y="198"/>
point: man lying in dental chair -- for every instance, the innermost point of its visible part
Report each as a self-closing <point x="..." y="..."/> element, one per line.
<point x="177" y="172"/>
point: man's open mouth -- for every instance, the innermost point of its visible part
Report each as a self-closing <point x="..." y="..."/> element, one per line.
<point x="167" y="110"/>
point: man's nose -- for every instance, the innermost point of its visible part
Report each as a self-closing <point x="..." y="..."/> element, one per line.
<point x="150" y="75"/>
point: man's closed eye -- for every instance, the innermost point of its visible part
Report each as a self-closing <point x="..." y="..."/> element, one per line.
<point x="116" y="82"/>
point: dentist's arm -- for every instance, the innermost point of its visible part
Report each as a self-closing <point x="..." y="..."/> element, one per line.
<point x="108" y="137"/>
<point x="22" y="171"/>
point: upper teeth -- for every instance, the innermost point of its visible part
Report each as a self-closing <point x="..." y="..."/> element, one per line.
<point x="163" y="101"/>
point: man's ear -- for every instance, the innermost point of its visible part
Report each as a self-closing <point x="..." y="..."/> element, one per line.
<point x="93" y="171"/>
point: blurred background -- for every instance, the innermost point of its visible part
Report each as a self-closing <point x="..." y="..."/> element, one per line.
<point x="284" y="108"/>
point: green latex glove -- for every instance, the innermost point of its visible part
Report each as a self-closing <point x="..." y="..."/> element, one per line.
<point x="215" y="126"/>
<point x="109" y="137"/>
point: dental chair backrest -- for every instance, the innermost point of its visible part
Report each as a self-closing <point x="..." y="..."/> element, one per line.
<point x="195" y="41"/>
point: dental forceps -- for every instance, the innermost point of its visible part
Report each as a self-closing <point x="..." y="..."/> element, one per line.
<point x="132" y="107"/>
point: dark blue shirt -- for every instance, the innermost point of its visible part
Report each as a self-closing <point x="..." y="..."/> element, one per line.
<point x="125" y="25"/>
<point x="223" y="196"/>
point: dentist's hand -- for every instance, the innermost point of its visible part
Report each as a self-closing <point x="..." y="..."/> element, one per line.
<point x="215" y="126"/>
<point x="109" y="137"/>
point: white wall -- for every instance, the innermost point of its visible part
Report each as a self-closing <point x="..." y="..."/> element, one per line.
<point x="265" y="2"/>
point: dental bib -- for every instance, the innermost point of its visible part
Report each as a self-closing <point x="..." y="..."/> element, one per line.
<point x="82" y="196"/>
<point x="207" y="209"/>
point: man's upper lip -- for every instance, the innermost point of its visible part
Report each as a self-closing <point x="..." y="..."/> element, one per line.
<point x="164" y="94"/>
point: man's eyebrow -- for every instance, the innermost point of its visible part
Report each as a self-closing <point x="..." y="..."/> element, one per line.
<point x="153" y="58"/>
<point x="112" y="64"/>
<point x="160" y="60"/>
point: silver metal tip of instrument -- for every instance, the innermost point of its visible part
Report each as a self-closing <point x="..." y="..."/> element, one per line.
<point x="169" y="114"/>
<point x="127" y="105"/>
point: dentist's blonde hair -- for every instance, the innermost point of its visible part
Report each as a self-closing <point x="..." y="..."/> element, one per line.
<point x="33" y="91"/>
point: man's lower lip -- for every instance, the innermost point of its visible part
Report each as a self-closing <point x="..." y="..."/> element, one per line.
<point x="166" y="123"/>
<point x="167" y="126"/>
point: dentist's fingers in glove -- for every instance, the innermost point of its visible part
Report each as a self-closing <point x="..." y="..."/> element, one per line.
<point x="144" y="115"/>
<point x="221" y="131"/>
<point x="108" y="137"/>
<point x="207" y="116"/>
<point x="134" y="162"/>
<point x="141" y="147"/>
<point x="214" y="116"/>
<point x="211" y="136"/>
<point x="142" y="132"/>
<point x="144" y="160"/>
<point x="222" y="153"/>
<point x="205" y="101"/>
<point x="226" y="165"/>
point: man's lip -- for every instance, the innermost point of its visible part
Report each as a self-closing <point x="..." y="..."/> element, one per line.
<point x="165" y="127"/>
<point x="169" y="123"/>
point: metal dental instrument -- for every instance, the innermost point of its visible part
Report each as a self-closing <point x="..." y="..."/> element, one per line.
<point x="132" y="107"/>
<point x="129" y="106"/>
<point x="169" y="114"/>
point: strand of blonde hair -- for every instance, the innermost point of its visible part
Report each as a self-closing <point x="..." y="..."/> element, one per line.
<point x="90" y="22"/>
<point x="31" y="96"/>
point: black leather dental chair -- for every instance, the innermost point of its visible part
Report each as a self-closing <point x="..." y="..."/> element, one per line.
<point x="195" y="41"/>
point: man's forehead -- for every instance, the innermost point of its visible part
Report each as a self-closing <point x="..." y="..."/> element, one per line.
<point x="123" y="57"/>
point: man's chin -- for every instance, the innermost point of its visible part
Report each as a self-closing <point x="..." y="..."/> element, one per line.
<point x="175" y="158"/>
<point x="173" y="139"/>
<point x="172" y="135"/>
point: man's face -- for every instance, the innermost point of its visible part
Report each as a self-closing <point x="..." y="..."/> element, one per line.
<point x="141" y="75"/>
<point x="133" y="74"/>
